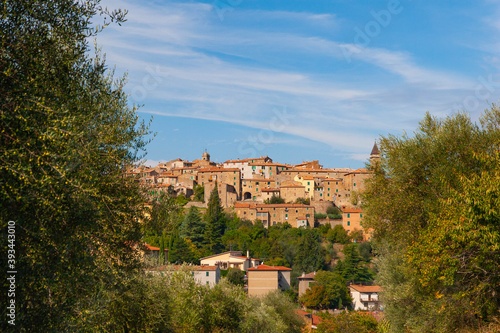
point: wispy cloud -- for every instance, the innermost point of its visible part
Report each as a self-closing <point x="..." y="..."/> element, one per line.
<point x="190" y="65"/>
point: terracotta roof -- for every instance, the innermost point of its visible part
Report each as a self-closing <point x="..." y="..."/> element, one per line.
<point x="307" y="276"/>
<point x="291" y="186"/>
<point x="352" y="210"/>
<point x="152" y="248"/>
<point x="282" y="206"/>
<point x="301" y="218"/>
<point x="309" y="169"/>
<point x="242" y="205"/>
<point x="332" y="179"/>
<point x="246" y="159"/>
<point x="269" y="268"/>
<point x="270" y="190"/>
<point x="375" y="149"/>
<point x="258" y="179"/>
<point x="359" y="171"/>
<point x="268" y="164"/>
<point x="366" y="289"/>
<point x="215" y="169"/>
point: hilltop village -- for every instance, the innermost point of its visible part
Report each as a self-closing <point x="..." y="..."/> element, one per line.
<point x="261" y="189"/>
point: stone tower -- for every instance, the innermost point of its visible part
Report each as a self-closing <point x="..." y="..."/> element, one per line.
<point x="374" y="155"/>
<point x="205" y="156"/>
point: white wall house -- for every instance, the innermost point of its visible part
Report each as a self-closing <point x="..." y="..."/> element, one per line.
<point x="365" y="297"/>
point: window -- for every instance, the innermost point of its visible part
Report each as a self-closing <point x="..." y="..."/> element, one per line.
<point x="348" y="214"/>
<point x="348" y="223"/>
<point x="274" y="215"/>
<point x="256" y="183"/>
<point x="328" y="194"/>
<point x="354" y="184"/>
<point x="336" y="190"/>
<point x="308" y="183"/>
<point x="321" y="194"/>
<point x="286" y="215"/>
<point x="207" y="274"/>
<point x="360" y="215"/>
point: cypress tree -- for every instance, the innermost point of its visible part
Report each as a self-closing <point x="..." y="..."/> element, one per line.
<point x="215" y="222"/>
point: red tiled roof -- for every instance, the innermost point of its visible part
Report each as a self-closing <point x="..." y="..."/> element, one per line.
<point x="292" y="186"/>
<point x="270" y="190"/>
<point x="152" y="248"/>
<point x="282" y="206"/>
<point x="352" y="210"/>
<point x="366" y="289"/>
<point x="268" y="164"/>
<point x="215" y="169"/>
<point x="307" y="276"/>
<point x="269" y="268"/>
<point x="359" y="171"/>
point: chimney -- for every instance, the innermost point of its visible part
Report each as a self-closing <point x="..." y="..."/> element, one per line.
<point x="248" y="254"/>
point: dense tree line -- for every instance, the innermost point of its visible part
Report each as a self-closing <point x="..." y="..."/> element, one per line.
<point x="174" y="302"/>
<point x="67" y="134"/>
<point x="434" y="204"/>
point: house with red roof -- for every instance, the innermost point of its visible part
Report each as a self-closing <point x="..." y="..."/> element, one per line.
<point x="264" y="279"/>
<point x="305" y="281"/>
<point x="365" y="297"/>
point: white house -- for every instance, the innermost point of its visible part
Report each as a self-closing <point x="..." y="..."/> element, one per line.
<point x="230" y="259"/>
<point x="365" y="297"/>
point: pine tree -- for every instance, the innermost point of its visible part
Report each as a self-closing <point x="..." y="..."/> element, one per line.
<point x="193" y="227"/>
<point x="310" y="254"/>
<point x="215" y="222"/>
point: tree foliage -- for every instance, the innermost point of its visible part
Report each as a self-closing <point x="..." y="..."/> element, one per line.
<point x="275" y="200"/>
<point x="328" y="292"/>
<point x="348" y="322"/>
<point x="193" y="227"/>
<point x="215" y="222"/>
<point x="174" y="302"/>
<point x="433" y="202"/>
<point x="67" y="136"/>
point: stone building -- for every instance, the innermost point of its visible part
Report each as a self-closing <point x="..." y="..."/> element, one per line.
<point x="246" y="170"/>
<point x="291" y="192"/>
<point x="251" y="189"/>
<point x="296" y="215"/>
<point x="264" y="279"/>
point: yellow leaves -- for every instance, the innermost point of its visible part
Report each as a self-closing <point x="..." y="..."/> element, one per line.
<point x="438" y="295"/>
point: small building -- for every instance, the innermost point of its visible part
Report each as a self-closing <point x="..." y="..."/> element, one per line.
<point x="230" y="259"/>
<point x="264" y="279"/>
<point x="305" y="282"/>
<point x="352" y="219"/>
<point x="365" y="297"/>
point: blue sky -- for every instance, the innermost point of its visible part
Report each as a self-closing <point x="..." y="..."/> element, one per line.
<point x="301" y="80"/>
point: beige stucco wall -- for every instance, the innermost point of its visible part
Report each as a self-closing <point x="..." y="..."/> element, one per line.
<point x="260" y="283"/>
